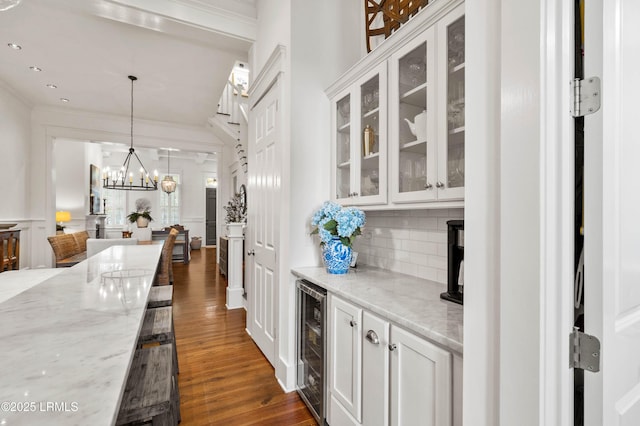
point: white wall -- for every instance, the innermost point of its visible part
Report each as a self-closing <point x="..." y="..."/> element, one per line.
<point x="15" y="134"/>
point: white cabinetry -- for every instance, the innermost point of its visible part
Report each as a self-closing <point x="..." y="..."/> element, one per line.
<point x="380" y="374"/>
<point x="345" y="362"/>
<point x="359" y="154"/>
<point x="422" y="118"/>
<point x="426" y="110"/>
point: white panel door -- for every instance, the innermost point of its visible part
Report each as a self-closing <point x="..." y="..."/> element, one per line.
<point x="612" y="203"/>
<point x="375" y="371"/>
<point x="421" y="389"/>
<point x="263" y="209"/>
<point x="345" y="353"/>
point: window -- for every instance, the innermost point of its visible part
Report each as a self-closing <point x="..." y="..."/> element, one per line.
<point x="115" y="207"/>
<point x="170" y="204"/>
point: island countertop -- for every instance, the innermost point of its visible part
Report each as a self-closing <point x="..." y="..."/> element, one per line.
<point x="67" y="342"/>
<point x="410" y="302"/>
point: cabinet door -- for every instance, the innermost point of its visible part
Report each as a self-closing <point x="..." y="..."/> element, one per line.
<point x="421" y="390"/>
<point x="370" y="147"/>
<point x="451" y="140"/>
<point x="412" y="120"/>
<point x="359" y="140"/>
<point x="345" y="353"/>
<point x="341" y="155"/>
<point x="375" y="371"/>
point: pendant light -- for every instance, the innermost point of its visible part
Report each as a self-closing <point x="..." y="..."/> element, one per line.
<point x="168" y="184"/>
<point x="123" y="179"/>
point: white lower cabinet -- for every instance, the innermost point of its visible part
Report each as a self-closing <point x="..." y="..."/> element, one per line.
<point x="345" y="363"/>
<point x="381" y="374"/>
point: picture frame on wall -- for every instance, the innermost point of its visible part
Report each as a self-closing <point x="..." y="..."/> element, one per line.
<point x="95" y="190"/>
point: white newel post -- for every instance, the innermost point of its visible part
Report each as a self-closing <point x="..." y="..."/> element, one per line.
<point x="235" y="260"/>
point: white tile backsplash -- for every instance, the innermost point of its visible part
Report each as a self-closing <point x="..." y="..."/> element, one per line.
<point x="412" y="242"/>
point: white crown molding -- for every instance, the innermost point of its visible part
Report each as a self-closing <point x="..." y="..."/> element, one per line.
<point x="200" y="15"/>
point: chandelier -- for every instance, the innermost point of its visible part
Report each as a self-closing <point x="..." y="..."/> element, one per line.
<point x="168" y="184"/>
<point x="124" y="178"/>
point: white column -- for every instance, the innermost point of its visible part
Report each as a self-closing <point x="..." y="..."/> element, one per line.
<point x="235" y="260"/>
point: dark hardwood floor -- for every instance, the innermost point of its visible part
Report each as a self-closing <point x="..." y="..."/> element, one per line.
<point x="224" y="378"/>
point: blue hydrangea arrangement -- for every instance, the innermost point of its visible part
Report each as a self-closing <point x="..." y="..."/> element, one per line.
<point x="334" y="220"/>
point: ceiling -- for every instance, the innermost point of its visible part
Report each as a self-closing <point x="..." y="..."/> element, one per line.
<point x="182" y="52"/>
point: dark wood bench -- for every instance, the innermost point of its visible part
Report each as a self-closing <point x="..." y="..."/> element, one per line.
<point x="69" y="249"/>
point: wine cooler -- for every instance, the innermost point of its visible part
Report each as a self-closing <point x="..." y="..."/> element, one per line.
<point x="311" y="381"/>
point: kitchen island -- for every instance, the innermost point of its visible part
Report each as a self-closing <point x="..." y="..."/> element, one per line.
<point x="68" y="341"/>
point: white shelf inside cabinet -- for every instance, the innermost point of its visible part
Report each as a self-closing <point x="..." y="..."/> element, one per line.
<point x="415" y="96"/>
<point x="370" y="113"/>
<point x="456" y="130"/>
<point x="456" y="68"/>
<point x="344" y="128"/>
<point x="344" y="165"/>
<point x="417" y="147"/>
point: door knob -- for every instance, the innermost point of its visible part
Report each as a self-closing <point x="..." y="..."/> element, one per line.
<point x="392" y="347"/>
<point x="372" y="337"/>
<point x="428" y="186"/>
<point x="251" y="253"/>
<point x="352" y="323"/>
<point x="439" y="185"/>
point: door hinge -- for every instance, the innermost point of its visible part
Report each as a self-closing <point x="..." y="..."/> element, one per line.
<point x="585" y="96"/>
<point x="584" y="351"/>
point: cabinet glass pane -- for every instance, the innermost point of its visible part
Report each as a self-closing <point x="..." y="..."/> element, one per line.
<point x="343" y="143"/>
<point x="412" y="137"/>
<point x="370" y="144"/>
<point x="455" y="104"/>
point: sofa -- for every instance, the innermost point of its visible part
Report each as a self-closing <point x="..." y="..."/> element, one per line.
<point x="69" y="249"/>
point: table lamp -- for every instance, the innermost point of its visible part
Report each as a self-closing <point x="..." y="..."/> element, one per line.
<point x="62" y="217"/>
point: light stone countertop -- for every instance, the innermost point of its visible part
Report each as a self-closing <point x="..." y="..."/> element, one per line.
<point x="13" y="283"/>
<point x="410" y="302"/>
<point x="68" y="342"/>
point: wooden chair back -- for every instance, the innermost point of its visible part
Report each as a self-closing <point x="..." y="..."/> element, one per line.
<point x="165" y="274"/>
<point x="63" y="246"/>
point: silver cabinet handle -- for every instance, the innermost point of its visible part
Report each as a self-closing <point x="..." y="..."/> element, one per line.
<point x="439" y="184"/>
<point x="372" y="337"/>
<point x="428" y="186"/>
<point x="392" y="347"/>
<point x="251" y="253"/>
<point x="352" y="323"/>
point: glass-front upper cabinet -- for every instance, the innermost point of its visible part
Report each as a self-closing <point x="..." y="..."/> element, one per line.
<point x="359" y="154"/>
<point x="451" y="63"/>
<point x="412" y="127"/>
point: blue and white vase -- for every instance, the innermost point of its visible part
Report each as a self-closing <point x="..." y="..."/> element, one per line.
<point x="336" y="256"/>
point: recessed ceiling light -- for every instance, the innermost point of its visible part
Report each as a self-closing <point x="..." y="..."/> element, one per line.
<point x="14" y="46"/>
<point x="65" y="100"/>
<point x="52" y="86"/>
<point x="35" y="69"/>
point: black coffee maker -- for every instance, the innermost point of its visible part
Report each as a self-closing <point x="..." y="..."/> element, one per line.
<point x="455" y="257"/>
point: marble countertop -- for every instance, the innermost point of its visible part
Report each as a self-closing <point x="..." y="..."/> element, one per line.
<point x="13" y="283"/>
<point x="68" y="341"/>
<point x="410" y="302"/>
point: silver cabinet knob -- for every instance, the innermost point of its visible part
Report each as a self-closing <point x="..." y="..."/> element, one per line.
<point x="352" y="323"/>
<point x="372" y="337"/>
<point x="251" y="253"/>
<point x="439" y="184"/>
<point x="428" y="186"/>
<point x="392" y="347"/>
